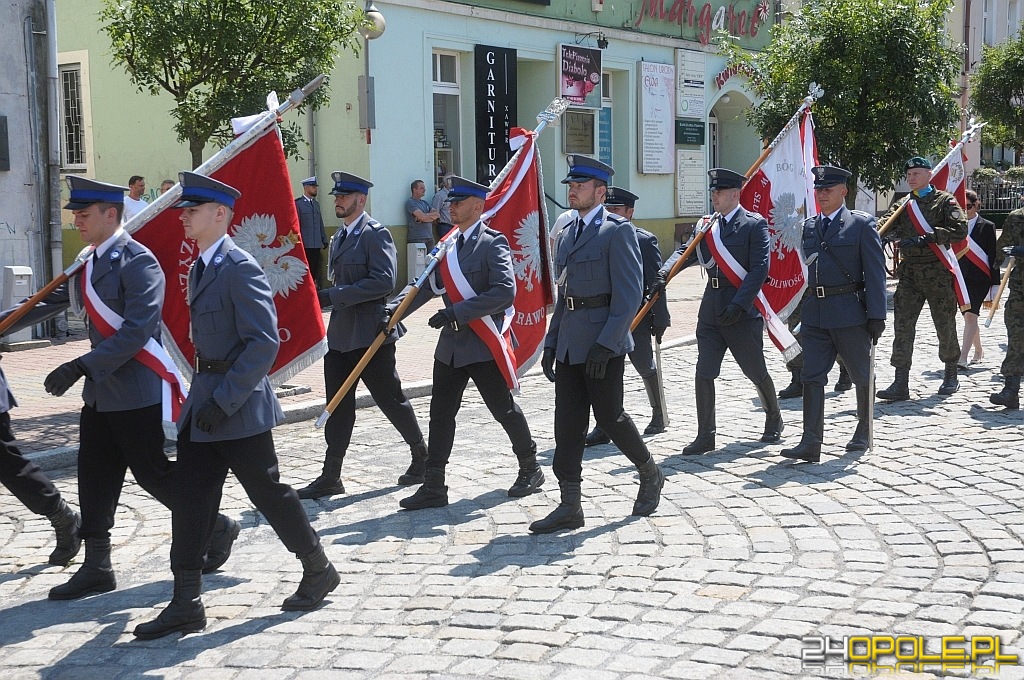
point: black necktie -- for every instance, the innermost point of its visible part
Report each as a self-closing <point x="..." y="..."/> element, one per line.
<point x="200" y="268"/>
<point x="825" y="223"/>
<point x="342" y="236"/>
<point x="579" y="230"/>
<point x="462" y="241"/>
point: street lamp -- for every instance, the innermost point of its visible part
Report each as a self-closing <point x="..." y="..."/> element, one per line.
<point x="367" y="113"/>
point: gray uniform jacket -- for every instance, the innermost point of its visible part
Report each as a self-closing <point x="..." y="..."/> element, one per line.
<point x="486" y="261"/>
<point x="234" y="319"/>
<point x="605" y="261"/>
<point x="746" y="238"/>
<point x="311" y="223"/>
<point x="650" y="256"/>
<point x="853" y="244"/>
<point x="363" y="272"/>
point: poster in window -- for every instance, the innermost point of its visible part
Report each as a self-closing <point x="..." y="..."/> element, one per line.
<point x="578" y="132"/>
<point x="580" y="76"/>
<point x="657" y="102"/>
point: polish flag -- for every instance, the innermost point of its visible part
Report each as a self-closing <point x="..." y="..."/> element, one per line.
<point x="949" y="175"/>
<point x="782" y="191"/>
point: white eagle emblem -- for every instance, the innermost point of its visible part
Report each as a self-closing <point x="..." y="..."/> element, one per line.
<point x="786" y="225"/>
<point x="257" y="235"/>
<point x="527" y="257"/>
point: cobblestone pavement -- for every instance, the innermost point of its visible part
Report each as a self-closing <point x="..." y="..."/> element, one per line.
<point x="747" y="553"/>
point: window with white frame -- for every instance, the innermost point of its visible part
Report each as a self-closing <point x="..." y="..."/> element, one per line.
<point x="72" y="127"/>
<point x="447" y="128"/>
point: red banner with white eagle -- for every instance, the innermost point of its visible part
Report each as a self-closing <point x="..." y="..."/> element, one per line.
<point x="515" y="207"/>
<point x="266" y="226"/>
<point x="782" y="191"/>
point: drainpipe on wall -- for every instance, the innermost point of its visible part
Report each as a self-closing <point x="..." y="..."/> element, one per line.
<point x="53" y="129"/>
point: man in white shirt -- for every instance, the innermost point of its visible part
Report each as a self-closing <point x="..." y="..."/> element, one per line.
<point x="133" y="203"/>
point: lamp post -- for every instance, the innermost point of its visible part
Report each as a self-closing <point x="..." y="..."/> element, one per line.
<point x="367" y="113"/>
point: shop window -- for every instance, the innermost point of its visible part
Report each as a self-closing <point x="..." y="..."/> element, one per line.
<point x="447" y="128"/>
<point x="72" y="128"/>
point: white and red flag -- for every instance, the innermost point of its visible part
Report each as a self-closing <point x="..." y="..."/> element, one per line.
<point x="782" y="191"/>
<point x="515" y="207"/>
<point x="266" y="225"/>
<point x="949" y="174"/>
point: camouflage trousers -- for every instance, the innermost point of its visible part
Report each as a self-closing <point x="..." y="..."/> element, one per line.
<point x="1013" y="317"/>
<point x="922" y="282"/>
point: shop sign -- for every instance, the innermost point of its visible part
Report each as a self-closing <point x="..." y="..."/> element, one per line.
<point x="495" y="103"/>
<point x="741" y="19"/>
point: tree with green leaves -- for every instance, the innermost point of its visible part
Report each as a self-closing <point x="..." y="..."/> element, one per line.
<point x="889" y="73"/>
<point x="220" y="58"/>
<point x="997" y="93"/>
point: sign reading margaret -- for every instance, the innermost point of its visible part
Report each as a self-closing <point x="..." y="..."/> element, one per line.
<point x="580" y="78"/>
<point x="748" y="20"/>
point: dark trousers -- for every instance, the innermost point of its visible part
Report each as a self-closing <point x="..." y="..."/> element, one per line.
<point x="744" y="341"/>
<point x="823" y="345"/>
<point x="446" y="399"/>
<point x="22" y="477"/>
<point x="642" y="356"/>
<point x="110" y="443"/>
<point x="381" y="378"/>
<point x="313" y="257"/>
<point x="575" y="394"/>
<point x="202" y="469"/>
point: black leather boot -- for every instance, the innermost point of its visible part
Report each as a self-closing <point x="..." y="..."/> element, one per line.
<point x="773" y="425"/>
<point x="319" y="577"/>
<point x="704" y="392"/>
<point x="225" y="531"/>
<point x="66" y="523"/>
<point x="596" y="437"/>
<point x="1010" y="394"/>
<point x="794" y="389"/>
<point x="809" y="448"/>
<point x="950" y="380"/>
<point x="864" y="406"/>
<point x="328" y="483"/>
<point x="899" y="390"/>
<point x="531" y="477"/>
<point x="657" y="424"/>
<point x="94" y="576"/>
<point x="568" y="514"/>
<point x="432" y="494"/>
<point x="844" y="383"/>
<point x="414" y="475"/>
<point x="652" y="479"/>
<point x="184" y="614"/>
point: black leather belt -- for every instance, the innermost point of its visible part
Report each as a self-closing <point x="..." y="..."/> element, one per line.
<point x="574" y="303"/>
<point x="826" y="291"/>
<point x="719" y="282"/>
<point x="208" y="366"/>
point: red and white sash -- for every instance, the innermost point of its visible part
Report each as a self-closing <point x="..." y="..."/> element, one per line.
<point x="498" y="341"/>
<point x="943" y="252"/>
<point x="153" y="355"/>
<point x="734" y="271"/>
<point x="973" y="251"/>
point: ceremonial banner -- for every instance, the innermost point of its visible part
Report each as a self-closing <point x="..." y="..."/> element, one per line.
<point x="515" y="207"/>
<point x="782" y="191"/>
<point x="266" y="226"/>
<point x="949" y="175"/>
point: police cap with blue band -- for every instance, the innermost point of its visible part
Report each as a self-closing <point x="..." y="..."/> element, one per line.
<point x="462" y="188"/>
<point x="346" y="183"/>
<point x="583" y="168"/>
<point x="199" y="189"/>
<point x="619" y="196"/>
<point x="917" y="162"/>
<point x="84" y="192"/>
<point x="309" y="181"/>
<point x="829" y="175"/>
<point x="723" y="178"/>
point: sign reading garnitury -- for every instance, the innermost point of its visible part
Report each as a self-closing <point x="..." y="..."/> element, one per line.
<point x="495" y="69"/>
<point x="742" y="19"/>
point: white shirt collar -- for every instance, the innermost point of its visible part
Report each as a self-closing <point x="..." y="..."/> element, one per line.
<point x="349" y="228"/>
<point x="469" y="232"/>
<point x="833" y="215"/>
<point x="208" y="253"/>
<point x="589" y="217"/>
<point x="732" y="214"/>
<point x="971" y="222"/>
<point x="102" y="248"/>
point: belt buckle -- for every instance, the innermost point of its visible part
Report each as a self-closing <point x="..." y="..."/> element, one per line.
<point x="569" y="303"/>
<point x="819" y="291"/>
<point x="714" y="282"/>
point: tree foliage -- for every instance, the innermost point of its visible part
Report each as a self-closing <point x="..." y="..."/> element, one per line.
<point x="220" y="58"/>
<point x="997" y="93"/>
<point x="889" y="73"/>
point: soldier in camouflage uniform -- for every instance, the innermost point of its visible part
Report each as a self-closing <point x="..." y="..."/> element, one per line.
<point x="1011" y="242"/>
<point x="923" y="278"/>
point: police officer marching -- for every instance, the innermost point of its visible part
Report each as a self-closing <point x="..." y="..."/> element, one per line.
<point x="923" y="278"/>
<point x="478" y="285"/>
<point x="622" y="203"/>
<point x="727" y="318"/>
<point x="600" y="287"/>
<point x="844" y="311"/>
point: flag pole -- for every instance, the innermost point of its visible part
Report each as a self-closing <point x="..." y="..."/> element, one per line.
<point x="549" y="115"/>
<point x="968" y="134"/>
<point x="29" y="304"/>
<point x="814" y="92"/>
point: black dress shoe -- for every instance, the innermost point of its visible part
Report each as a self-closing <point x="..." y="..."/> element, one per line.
<point x="563" y="517"/>
<point x="596" y="437"/>
<point x="322" y="486"/>
<point x="810" y="453"/>
<point x="86" y="581"/>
